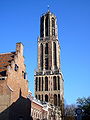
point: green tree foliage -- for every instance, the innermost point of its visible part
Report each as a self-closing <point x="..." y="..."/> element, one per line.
<point x="84" y="104"/>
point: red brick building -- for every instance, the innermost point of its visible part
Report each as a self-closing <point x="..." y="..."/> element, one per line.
<point x="13" y="80"/>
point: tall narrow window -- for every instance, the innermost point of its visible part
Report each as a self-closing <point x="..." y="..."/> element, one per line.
<point x="42" y="27"/>
<point x="53" y="26"/>
<point x="42" y="83"/>
<point x="55" y="99"/>
<point x="55" y="54"/>
<point x="54" y="83"/>
<point x="58" y="99"/>
<point x="46" y="83"/>
<point x="36" y="82"/>
<point x="46" y="25"/>
<point x="39" y="97"/>
<point x="41" y="56"/>
<point x="58" y="83"/>
<point x="46" y="98"/>
<point x="39" y="83"/>
<point x="46" y="48"/>
<point x="46" y="56"/>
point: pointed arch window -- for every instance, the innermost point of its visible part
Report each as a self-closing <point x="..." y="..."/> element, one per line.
<point x="55" y="54"/>
<point x="46" y="56"/>
<point x="41" y="56"/>
<point x="58" y="83"/>
<point x="39" y="97"/>
<point x="39" y="83"/>
<point x="46" y="83"/>
<point x="54" y="83"/>
<point x="46" y="98"/>
<point x="36" y="82"/>
<point x="42" y="83"/>
<point x="53" y="26"/>
<point x="46" y="25"/>
<point x="42" y="27"/>
<point x="58" y="99"/>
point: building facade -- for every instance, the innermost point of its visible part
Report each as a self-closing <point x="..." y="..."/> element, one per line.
<point x="48" y="76"/>
<point x="43" y="110"/>
<point x="13" y="80"/>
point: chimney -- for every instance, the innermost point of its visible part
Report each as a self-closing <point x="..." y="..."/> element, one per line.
<point x="19" y="48"/>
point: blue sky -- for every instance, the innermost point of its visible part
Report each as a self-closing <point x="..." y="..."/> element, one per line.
<point x="20" y="21"/>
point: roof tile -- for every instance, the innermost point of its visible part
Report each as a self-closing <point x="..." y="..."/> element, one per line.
<point x="5" y="60"/>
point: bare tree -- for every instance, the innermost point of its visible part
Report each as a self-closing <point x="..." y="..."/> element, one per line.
<point x="69" y="112"/>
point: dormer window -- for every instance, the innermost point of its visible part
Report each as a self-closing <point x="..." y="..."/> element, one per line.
<point x="16" y="67"/>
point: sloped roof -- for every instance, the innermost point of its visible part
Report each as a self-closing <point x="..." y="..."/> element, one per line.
<point x="5" y="60"/>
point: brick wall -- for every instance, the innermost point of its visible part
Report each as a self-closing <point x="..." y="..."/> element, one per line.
<point x="14" y="82"/>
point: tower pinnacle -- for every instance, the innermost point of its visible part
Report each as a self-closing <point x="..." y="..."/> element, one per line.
<point x="48" y="8"/>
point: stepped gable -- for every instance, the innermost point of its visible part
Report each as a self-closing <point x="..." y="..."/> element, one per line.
<point x="5" y="60"/>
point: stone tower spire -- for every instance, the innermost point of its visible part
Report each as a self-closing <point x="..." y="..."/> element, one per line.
<point x="48" y="77"/>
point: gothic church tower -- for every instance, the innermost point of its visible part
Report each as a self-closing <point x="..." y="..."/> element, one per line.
<point x="48" y="76"/>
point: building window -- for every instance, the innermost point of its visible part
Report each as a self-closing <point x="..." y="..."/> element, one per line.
<point x="36" y="82"/>
<point x="46" y="48"/>
<point x="42" y="27"/>
<point x="3" y="73"/>
<point x="42" y="83"/>
<point x="58" y="83"/>
<point x="54" y="54"/>
<point x="46" y="98"/>
<point x="16" y="67"/>
<point x="54" y="83"/>
<point x="42" y="97"/>
<point x="46" y="83"/>
<point x="53" y="26"/>
<point x="55" y="99"/>
<point x="25" y="75"/>
<point x="39" y="83"/>
<point x="46" y="25"/>
<point x="46" y="56"/>
<point x="58" y="99"/>
<point x="39" y="97"/>
<point x="41" y="56"/>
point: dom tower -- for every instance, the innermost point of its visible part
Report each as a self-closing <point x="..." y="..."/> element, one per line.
<point x="48" y="77"/>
